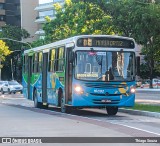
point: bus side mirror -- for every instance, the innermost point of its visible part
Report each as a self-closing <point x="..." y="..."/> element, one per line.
<point x="138" y="65"/>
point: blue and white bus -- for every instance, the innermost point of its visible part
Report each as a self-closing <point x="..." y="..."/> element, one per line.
<point x="86" y="71"/>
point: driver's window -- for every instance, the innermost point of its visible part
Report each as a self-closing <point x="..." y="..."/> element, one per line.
<point x="95" y="69"/>
<point x="81" y="63"/>
<point x="88" y="68"/>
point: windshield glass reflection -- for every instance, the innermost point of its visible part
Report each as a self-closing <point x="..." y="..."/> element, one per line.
<point x="105" y="66"/>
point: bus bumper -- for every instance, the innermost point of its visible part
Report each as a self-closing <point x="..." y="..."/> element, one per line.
<point x="103" y="101"/>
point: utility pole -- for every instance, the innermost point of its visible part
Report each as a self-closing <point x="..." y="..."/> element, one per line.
<point x="12" y="69"/>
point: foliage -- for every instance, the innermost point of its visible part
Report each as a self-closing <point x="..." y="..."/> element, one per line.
<point x="4" y="51"/>
<point x="147" y="33"/>
<point x="78" y="18"/>
<point x="140" y="20"/>
<point x="37" y="43"/>
<point x="15" y="33"/>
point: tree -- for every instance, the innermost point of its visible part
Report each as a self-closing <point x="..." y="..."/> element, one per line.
<point x="140" y="20"/>
<point x="38" y="42"/>
<point x="4" y="51"/>
<point x="77" y="19"/>
<point x="147" y="33"/>
<point x="15" y="33"/>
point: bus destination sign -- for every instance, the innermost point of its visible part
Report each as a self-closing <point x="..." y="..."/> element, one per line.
<point x="105" y="42"/>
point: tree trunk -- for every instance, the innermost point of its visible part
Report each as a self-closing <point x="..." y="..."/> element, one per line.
<point x="151" y="71"/>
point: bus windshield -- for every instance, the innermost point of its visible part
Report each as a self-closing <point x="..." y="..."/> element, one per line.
<point x="105" y="66"/>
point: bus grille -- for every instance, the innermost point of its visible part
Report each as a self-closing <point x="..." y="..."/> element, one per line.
<point x="96" y="94"/>
<point x="108" y="86"/>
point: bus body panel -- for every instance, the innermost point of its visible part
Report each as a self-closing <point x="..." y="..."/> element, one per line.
<point x="103" y="96"/>
<point x="53" y="86"/>
<point x="35" y="82"/>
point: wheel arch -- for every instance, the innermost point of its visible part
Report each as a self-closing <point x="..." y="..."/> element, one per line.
<point x="60" y="95"/>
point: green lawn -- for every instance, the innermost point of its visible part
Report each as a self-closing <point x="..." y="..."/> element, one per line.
<point x="146" y="107"/>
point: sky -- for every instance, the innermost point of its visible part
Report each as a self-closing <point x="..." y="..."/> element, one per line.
<point x="45" y="1"/>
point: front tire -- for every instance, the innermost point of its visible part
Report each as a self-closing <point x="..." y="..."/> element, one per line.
<point x="64" y="108"/>
<point x="112" y="110"/>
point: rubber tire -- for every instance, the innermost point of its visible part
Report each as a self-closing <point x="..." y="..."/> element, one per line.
<point x="2" y="91"/>
<point x="44" y="106"/>
<point x="65" y="109"/>
<point x="9" y="91"/>
<point x="112" y="110"/>
<point x="36" y="103"/>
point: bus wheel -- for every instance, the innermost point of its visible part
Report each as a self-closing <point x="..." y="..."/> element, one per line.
<point x="64" y="108"/>
<point x="36" y="103"/>
<point x="112" y="110"/>
<point x="44" y="106"/>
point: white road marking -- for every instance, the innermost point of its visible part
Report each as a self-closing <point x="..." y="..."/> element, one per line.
<point x="136" y="128"/>
<point x="89" y="118"/>
<point x="112" y="123"/>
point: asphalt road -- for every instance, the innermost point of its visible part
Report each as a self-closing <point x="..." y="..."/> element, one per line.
<point x="149" y="97"/>
<point x="20" y="119"/>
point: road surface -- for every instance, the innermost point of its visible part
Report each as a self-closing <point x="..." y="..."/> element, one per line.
<point x="20" y="119"/>
<point x="148" y="96"/>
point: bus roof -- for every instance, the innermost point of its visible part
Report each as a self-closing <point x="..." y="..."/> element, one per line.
<point x="71" y="40"/>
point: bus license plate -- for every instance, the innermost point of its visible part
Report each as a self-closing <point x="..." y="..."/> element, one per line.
<point x="106" y="100"/>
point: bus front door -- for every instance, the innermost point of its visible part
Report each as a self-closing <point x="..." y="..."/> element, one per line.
<point x="29" y="76"/>
<point x="44" y="78"/>
<point x="69" y="74"/>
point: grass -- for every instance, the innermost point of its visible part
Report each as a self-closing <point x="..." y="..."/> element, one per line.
<point x="146" y="107"/>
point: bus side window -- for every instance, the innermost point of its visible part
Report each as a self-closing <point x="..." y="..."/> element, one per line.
<point x="60" y="60"/>
<point x="25" y="64"/>
<point x="40" y="62"/>
<point x="35" y="67"/>
<point x="23" y="69"/>
<point x="33" y="61"/>
<point x="52" y="60"/>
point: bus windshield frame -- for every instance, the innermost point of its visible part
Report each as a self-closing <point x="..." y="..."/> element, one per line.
<point x="105" y="66"/>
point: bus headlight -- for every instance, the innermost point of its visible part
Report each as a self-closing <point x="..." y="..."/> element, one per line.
<point x="78" y="89"/>
<point x="133" y="90"/>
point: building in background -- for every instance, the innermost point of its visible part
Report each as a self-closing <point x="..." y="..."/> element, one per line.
<point x="28" y="16"/>
<point x="45" y="8"/>
<point x="19" y="13"/>
<point x="10" y="12"/>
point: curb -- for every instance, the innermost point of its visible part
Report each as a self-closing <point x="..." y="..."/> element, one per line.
<point x="138" y="112"/>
